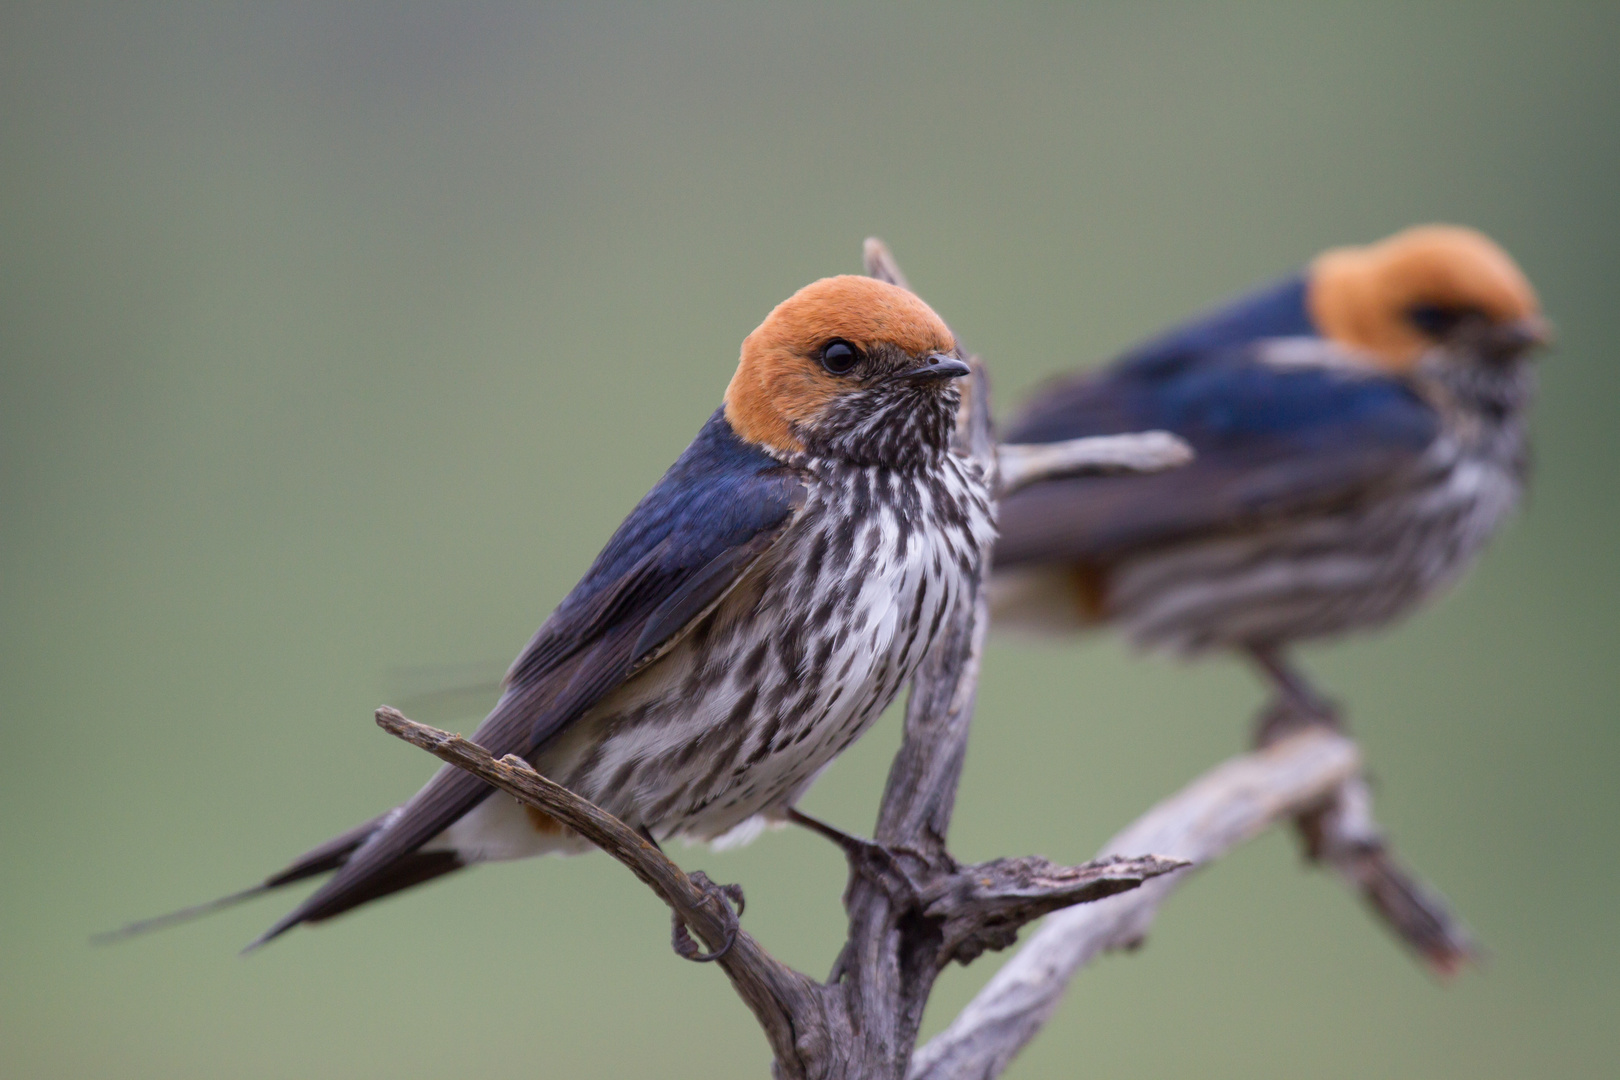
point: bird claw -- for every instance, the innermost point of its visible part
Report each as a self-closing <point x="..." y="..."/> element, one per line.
<point x="1295" y="706"/>
<point x="1289" y="713"/>
<point x="878" y="863"/>
<point x="731" y="902"/>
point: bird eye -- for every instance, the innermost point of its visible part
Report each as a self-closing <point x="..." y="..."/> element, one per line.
<point x="839" y="356"/>
<point x="1435" y="320"/>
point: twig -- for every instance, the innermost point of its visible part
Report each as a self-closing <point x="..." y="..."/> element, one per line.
<point x="773" y="991"/>
<point x="983" y="907"/>
<point x="1023" y="464"/>
<point x="889" y="966"/>
<point x="1226" y="806"/>
<point x="880" y="263"/>
<point x="1343" y="835"/>
<point x="1340" y="833"/>
<point x="960" y="911"/>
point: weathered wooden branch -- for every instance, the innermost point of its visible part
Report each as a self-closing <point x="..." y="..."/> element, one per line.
<point x="1339" y="832"/>
<point x="1148" y="451"/>
<point x="1226" y="806"/>
<point x="1342" y="835"/>
<point x="961" y="911"/>
<point x="775" y="993"/>
<point x="881" y="264"/>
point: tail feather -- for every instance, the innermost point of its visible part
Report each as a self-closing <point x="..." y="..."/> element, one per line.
<point x="328" y="856"/>
<point x="392" y="858"/>
<point x="402" y="873"/>
<point x="173" y="918"/>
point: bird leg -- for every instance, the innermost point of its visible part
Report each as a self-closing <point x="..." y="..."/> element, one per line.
<point x="1341" y="832"/>
<point x="877" y="863"/>
<point x="1297" y="703"/>
<point x="731" y="902"/>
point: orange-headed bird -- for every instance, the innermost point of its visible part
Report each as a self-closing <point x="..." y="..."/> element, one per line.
<point x="750" y="619"/>
<point x="1360" y="435"/>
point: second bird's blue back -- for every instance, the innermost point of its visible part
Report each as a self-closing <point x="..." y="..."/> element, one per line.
<point x="1270" y="436"/>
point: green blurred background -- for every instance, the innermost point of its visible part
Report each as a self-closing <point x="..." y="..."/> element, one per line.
<point x="334" y="340"/>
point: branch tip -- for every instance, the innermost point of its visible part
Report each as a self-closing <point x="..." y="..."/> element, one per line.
<point x="1023" y="464"/>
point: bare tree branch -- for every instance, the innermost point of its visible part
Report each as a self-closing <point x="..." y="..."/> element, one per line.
<point x="1023" y="464"/>
<point x="881" y="264"/>
<point x="1341" y="833"/>
<point x="773" y="991"/>
<point x="983" y="907"/>
<point x="959" y="912"/>
<point x="1221" y="809"/>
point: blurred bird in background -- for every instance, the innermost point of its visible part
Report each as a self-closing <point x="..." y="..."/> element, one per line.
<point x="1360" y="435"/>
<point x="749" y="620"/>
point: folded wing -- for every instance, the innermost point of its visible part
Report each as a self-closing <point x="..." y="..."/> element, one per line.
<point x="1272" y="440"/>
<point x="718" y="509"/>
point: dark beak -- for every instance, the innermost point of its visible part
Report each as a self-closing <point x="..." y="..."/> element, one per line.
<point x="1530" y="332"/>
<point x="938" y="368"/>
<point x="1512" y="339"/>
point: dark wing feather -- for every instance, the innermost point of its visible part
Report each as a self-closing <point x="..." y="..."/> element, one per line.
<point x="718" y="509"/>
<point x="697" y="595"/>
<point x="1270" y="441"/>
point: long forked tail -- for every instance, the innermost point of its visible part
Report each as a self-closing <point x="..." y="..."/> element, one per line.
<point x="411" y="868"/>
<point x="329" y="856"/>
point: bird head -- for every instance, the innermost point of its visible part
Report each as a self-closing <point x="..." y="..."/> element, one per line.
<point x="852" y="368"/>
<point x="1426" y="288"/>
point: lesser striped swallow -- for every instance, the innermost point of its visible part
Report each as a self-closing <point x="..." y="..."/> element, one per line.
<point x="747" y="622"/>
<point x="1360" y="434"/>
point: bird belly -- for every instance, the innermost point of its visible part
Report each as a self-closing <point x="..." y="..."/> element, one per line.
<point x="1043" y="599"/>
<point x="501" y="828"/>
<point x="794" y="665"/>
<point x="1316" y="576"/>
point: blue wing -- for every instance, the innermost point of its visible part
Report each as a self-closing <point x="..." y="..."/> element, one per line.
<point x="1277" y="310"/>
<point x="719" y="507"/>
<point x="1271" y="441"/>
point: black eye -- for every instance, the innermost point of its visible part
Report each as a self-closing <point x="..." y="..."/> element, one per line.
<point x="1434" y="320"/>
<point x="839" y="356"/>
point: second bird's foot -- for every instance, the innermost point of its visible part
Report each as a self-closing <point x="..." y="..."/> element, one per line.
<point x="1296" y="704"/>
<point x="731" y="902"/>
<point x="1287" y="713"/>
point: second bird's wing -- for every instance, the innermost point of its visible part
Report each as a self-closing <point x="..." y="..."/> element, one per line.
<point x="1271" y="441"/>
<point x="720" y="507"/>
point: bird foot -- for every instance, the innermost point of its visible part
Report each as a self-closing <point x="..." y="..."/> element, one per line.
<point x="1289" y="713"/>
<point x="881" y="864"/>
<point x="731" y="902"/>
<point x="1295" y="705"/>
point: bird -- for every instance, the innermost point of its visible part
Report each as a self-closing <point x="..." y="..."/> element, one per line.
<point x="1360" y="434"/>
<point x="748" y="621"/>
